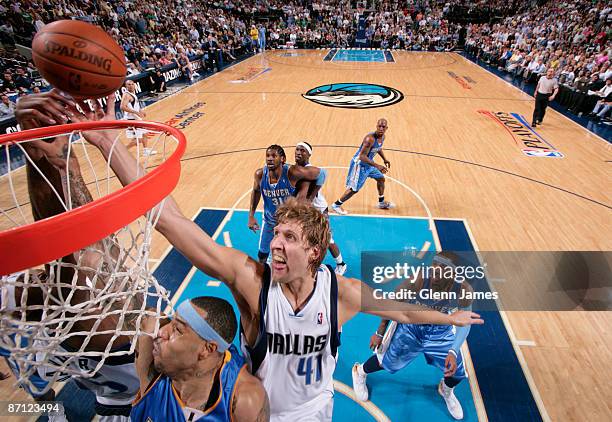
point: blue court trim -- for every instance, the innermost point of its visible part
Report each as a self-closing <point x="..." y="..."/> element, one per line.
<point x="602" y="130"/>
<point x="389" y="57"/>
<point x="330" y="55"/>
<point x="371" y="56"/>
<point x="504" y="388"/>
<point x="174" y="267"/>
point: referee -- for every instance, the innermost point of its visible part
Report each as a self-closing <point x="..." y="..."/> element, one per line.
<point x="545" y="91"/>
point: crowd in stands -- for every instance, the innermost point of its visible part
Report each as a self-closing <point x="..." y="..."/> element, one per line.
<point x="521" y="37"/>
<point x="573" y="38"/>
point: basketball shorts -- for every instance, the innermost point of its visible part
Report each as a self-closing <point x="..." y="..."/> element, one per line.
<point x="265" y="236"/>
<point x="409" y="341"/>
<point x="358" y="174"/>
<point x="134" y="133"/>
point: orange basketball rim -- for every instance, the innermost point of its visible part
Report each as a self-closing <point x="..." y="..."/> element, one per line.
<point x="33" y="244"/>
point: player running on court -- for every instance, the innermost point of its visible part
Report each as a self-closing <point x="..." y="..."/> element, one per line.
<point x="363" y="166"/>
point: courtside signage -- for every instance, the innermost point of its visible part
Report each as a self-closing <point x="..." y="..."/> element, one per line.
<point x="251" y="74"/>
<point x="531" y="143"/>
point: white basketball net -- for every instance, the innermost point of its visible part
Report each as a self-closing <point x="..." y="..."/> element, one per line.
<point x="62" y="311"/>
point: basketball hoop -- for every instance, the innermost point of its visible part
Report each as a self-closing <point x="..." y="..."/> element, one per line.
<point x="83" y="272"/>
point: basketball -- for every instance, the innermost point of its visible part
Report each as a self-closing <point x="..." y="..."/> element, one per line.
<point x="79" y="58"/>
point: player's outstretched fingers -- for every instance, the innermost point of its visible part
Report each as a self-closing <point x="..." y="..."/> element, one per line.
<point x="43" y="109"/>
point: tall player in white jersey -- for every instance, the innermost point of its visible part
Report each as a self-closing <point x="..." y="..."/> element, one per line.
<point x="130" y="106"/>
<point x="291" y="310"/>
<point x="303" y="151"/>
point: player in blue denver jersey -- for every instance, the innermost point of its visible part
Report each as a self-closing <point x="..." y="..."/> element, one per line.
<point x="275" y="182"/>
<point x="441" y="344"/>
<point x="192" y="372"/>
<point x="363" y="166"/>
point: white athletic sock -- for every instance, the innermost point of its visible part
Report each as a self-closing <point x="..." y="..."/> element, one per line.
<point x="360" y="370"/>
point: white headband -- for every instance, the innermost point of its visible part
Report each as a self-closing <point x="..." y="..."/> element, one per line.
<point x="305" y="146"/>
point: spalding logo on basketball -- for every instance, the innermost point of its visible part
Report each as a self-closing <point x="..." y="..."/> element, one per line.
<point x="354" y="95"/>
<point x="79" y="58"/>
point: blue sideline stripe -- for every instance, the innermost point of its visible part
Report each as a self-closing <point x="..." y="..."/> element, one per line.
<point x="174" y="268"/>
<point x="329" y="55"/>
<point x="504" y="388"/>
<point x="389" y="57"/>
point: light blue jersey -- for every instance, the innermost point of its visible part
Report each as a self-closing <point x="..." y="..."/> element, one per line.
<point x="359" y="171"/>
<point x="376" y="146"/>
<point x="274" y="194"/>
<point x="161" y="402"/>
<point x="433" y="341"/>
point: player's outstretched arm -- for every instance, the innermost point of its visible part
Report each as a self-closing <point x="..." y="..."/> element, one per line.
<point x="250" y="402"/>
<point x="230" y="266"/>
<point x="355" y="296"/>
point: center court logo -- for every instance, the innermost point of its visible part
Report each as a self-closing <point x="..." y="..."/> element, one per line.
<point x="354" y="95"/>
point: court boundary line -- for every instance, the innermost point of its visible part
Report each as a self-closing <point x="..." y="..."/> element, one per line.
<point x="535" y="392"/>
<point x="531" y="97"/>
<point x="340" y="67"/>
<point x="412" y="217"/>
<point x="369" y="406"/>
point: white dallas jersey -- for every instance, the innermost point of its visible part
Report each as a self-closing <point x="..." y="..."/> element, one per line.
<point x="319" y="201"/>
<point x="115" y="384"/>
<point x="295" y="354"/>
<point x="135" y="104"/>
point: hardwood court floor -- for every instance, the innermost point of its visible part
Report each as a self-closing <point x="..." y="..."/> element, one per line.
<point x="462" y="163"/>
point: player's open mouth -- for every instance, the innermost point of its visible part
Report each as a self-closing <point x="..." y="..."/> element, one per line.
<point x="278" y="262"/>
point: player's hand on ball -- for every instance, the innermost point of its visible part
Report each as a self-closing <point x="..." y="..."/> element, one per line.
<point x="450" y="365"/>
<point x="463" y="318"/>
<point x="253" y="224"/>
<point x="44" y="109"/>
<point x="97" y="113"/>
<point x="375" y="341"/>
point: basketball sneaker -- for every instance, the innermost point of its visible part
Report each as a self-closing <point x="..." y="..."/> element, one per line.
<point x="359" y="383"/>
<point x="452" y="404"/>
<point x="338" y="209"/>
<point x="340" y="268"/>
<point x="385" y="205"/>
